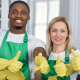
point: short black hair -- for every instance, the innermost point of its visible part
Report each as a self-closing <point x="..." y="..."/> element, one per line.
<point x="19" y="2"/>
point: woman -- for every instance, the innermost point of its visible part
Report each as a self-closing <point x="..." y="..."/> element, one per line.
<point x="59" y="42"/>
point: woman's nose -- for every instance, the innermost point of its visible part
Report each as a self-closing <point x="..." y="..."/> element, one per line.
<point x="58" y="34"/>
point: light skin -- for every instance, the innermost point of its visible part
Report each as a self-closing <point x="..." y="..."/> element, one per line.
<point x="58" y="34"/>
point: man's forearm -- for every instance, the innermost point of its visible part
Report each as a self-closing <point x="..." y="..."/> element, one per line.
<point x="38" y="50"/>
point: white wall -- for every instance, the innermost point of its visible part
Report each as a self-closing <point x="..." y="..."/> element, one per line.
<point x="74" y="19"/>
<point x="64" y="8"/>
<point x="70" y="10"/>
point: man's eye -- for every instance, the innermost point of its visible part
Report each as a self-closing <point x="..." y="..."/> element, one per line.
<point x="23" y="12"/>
<point x="14" y="12"/>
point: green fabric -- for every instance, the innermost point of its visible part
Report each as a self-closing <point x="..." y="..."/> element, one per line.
<point x="8" y="50"/>
<point x="52" y="70"/>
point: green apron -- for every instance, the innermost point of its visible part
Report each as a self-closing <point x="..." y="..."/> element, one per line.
<point x="52" y="70"/>
<point x="8" y="50"/>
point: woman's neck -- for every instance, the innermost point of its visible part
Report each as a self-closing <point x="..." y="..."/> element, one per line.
<point x="58" y="49"/>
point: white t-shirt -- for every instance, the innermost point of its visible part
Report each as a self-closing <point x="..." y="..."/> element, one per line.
<point x="53" y="56"/>
<point x="32" y="44"/>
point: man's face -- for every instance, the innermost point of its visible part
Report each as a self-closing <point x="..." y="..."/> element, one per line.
<point x="19" y="15"/>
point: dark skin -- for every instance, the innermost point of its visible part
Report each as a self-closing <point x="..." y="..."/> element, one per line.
<point x="19" y="16"/>
<point x="36" y="51"/>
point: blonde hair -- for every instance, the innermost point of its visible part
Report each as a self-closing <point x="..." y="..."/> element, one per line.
<point x="69" y="43"/>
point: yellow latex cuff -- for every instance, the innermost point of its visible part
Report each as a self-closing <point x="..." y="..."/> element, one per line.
<point x="3" y="74"/>
<point x="6" y="74"/>
<point x="42" y="64"/>
<point x="69" y="69"/>
<point x="52" y="77"/>
<point x="75" y="61"/>
<point x="15" y="76"/>
<point x="3" y="63"/>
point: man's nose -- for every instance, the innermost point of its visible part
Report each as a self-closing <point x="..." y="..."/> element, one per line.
<point x="19" y="15"/>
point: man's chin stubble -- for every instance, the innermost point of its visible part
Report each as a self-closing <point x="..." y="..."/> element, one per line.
<point x="18" y="27"/>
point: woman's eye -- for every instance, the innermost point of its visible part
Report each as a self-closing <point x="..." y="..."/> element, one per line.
<point x="62" y="31"/>
<point x="54" y="30"/>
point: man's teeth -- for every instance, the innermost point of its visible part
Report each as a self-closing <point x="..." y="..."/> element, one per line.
<point x="18" y="21"/>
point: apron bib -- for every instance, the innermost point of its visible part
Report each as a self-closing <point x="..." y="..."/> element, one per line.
<point x="52" y="70"/>
<point x="8" y="50"/>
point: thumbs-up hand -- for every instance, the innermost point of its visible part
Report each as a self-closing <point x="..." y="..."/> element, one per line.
<point x="14" y="64"/>
<point x="75" y="61"/>
<point x="60" y="67"/>
<point x="42" y="64"/>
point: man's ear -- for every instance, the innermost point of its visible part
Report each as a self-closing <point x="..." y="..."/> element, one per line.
<point x="28" y="17"/>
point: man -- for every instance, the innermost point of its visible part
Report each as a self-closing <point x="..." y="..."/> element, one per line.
<point x="18" y="39"/>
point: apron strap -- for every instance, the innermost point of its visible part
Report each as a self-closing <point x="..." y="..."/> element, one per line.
<point x="66" y="56"/>
<point x="6" y="36"/>
<point x="25" y="37"/>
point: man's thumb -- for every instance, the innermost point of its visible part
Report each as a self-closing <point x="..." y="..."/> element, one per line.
<point x="17" y="56"/>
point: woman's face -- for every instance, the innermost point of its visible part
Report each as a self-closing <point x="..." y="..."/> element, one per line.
<point x="59" y="33"/>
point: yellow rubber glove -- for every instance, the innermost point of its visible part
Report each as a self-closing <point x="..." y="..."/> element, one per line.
<point x="69" y="69"/>
<point x="3" y="64"/>
<point x="3" y="74"/>
<point x="42" y="64"/>
<point x="14" y="64"/>
<point x="60" y="67"/>
<point x="52" y="77"/>
<point x="15" y="76"/>
<point x="75" y="61"/>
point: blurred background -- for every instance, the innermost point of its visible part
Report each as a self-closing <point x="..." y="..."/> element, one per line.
<point x="41" y="13"/>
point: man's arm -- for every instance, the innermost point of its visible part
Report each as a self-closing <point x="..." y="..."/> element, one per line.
<point x="38" y="75"/>
<point x="38" y="50"/>
<point x="35" y="53"/>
